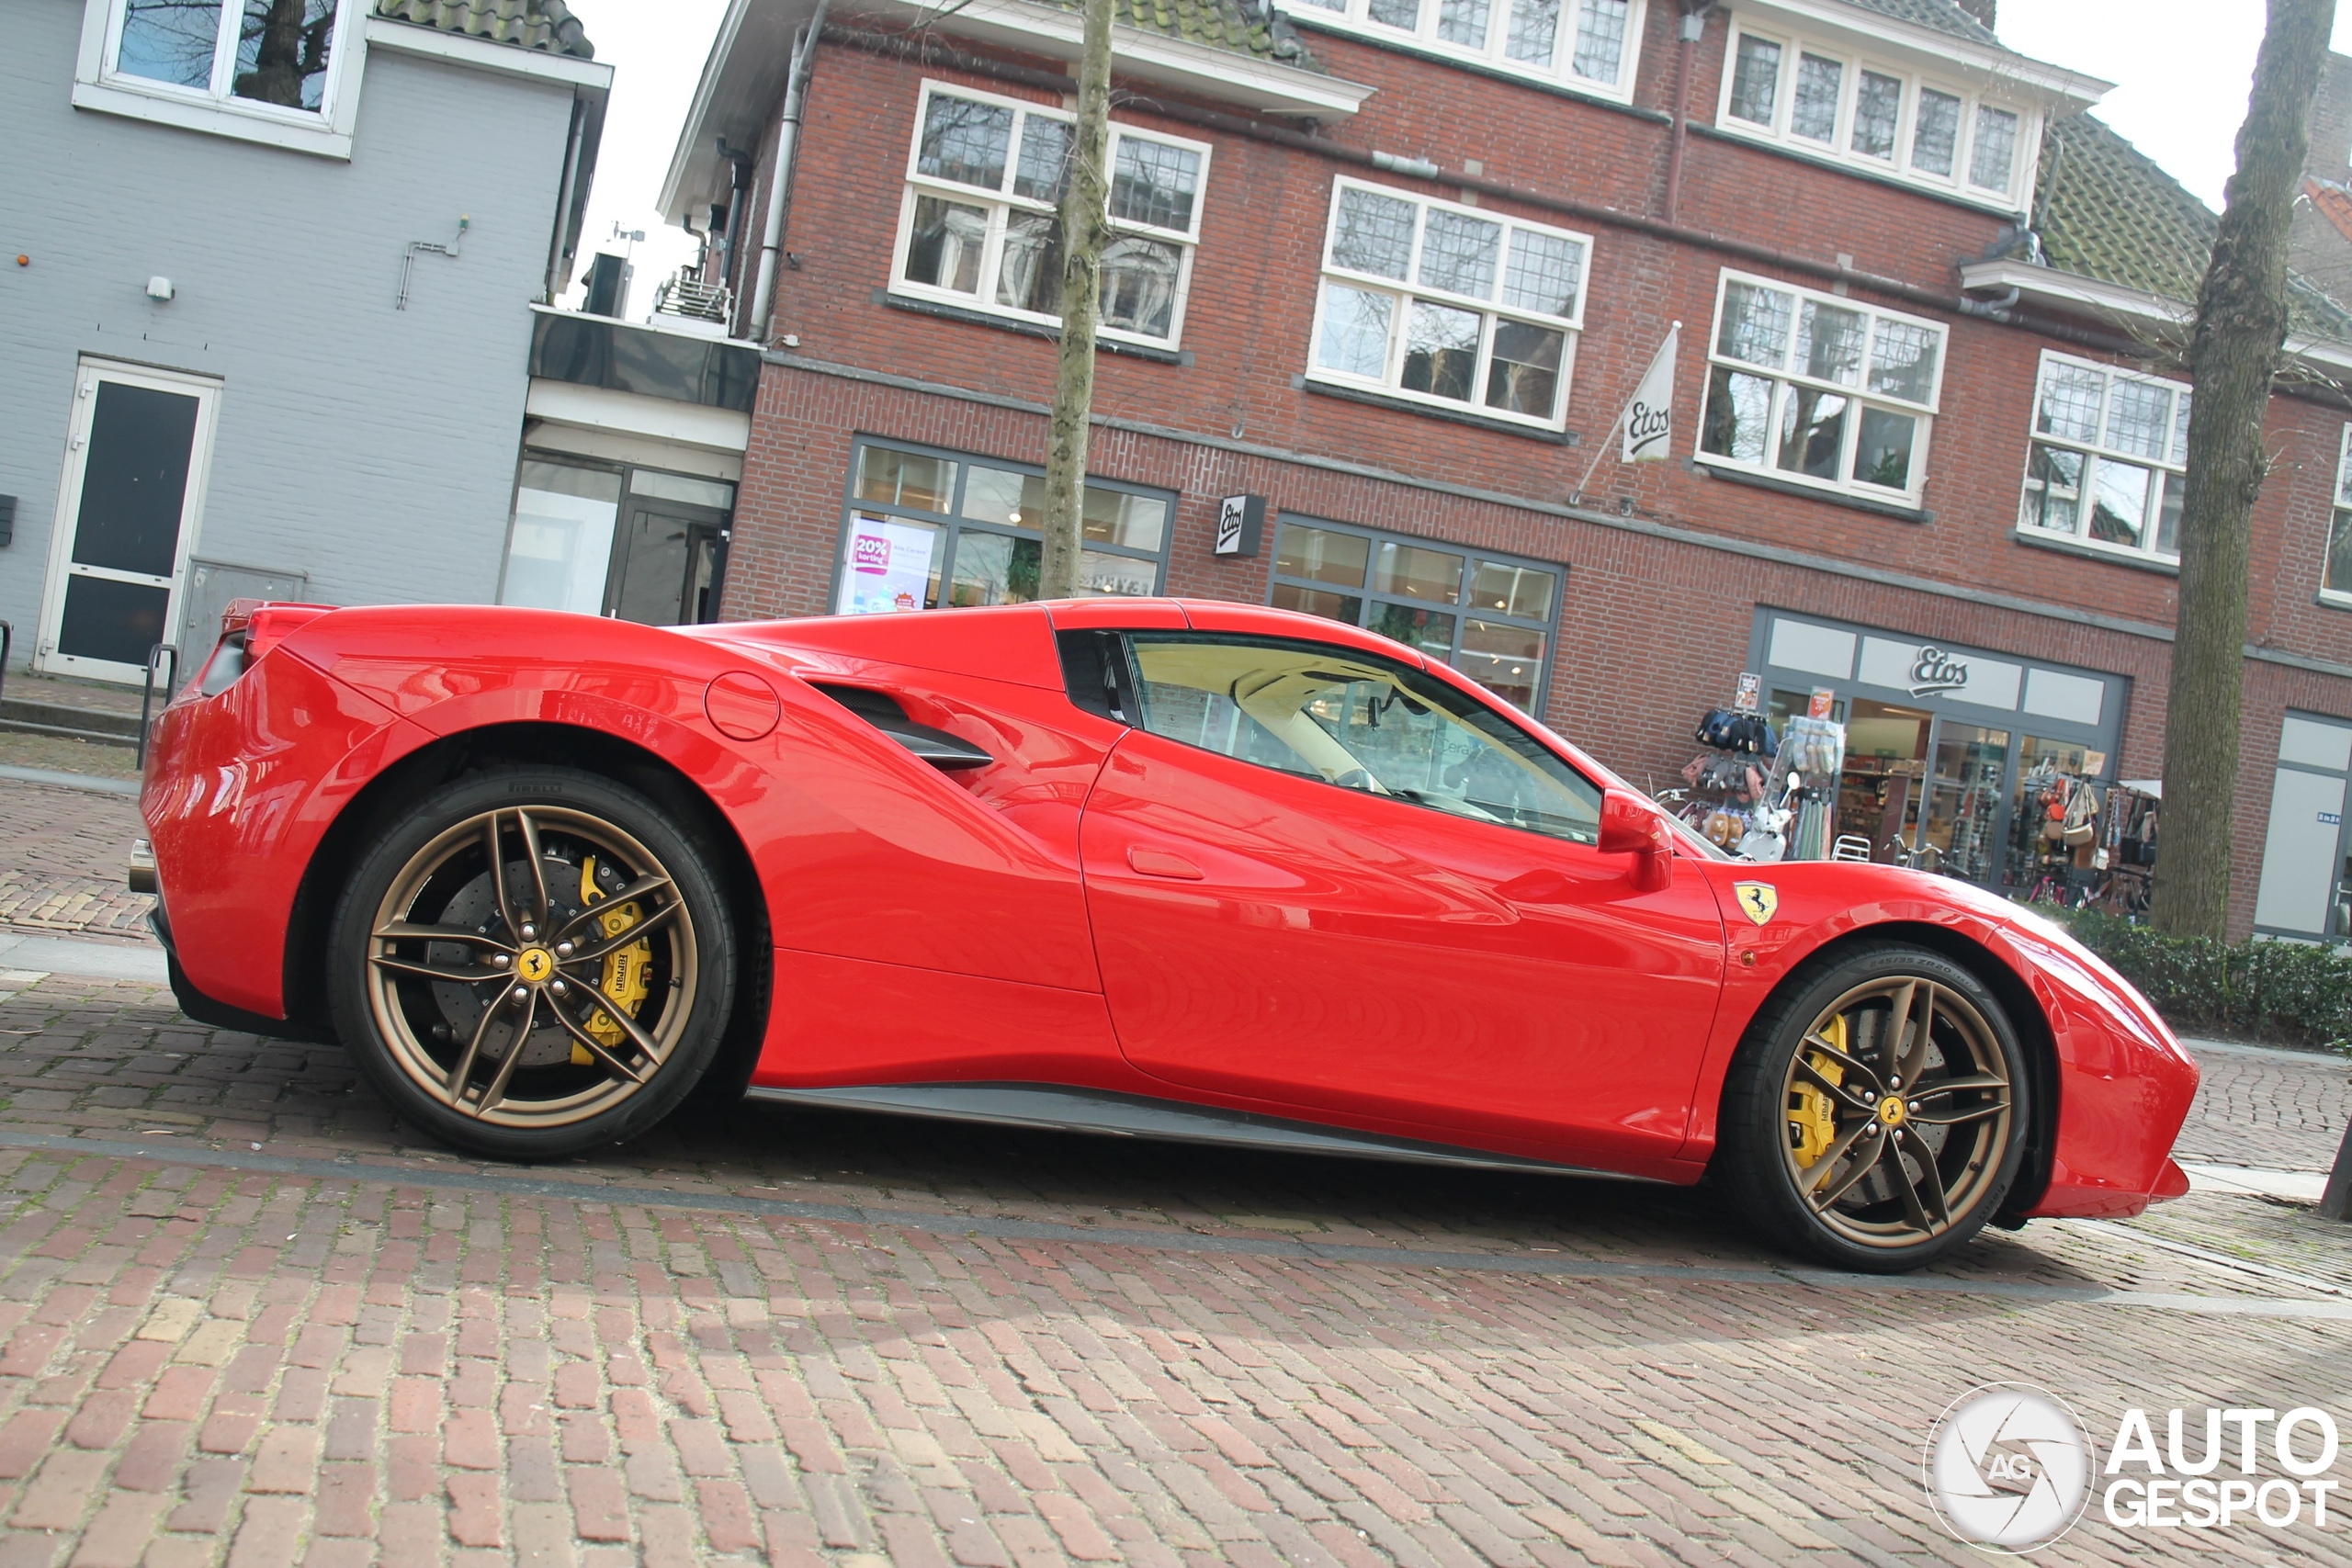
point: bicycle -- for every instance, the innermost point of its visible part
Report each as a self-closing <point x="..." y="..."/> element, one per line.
<point x="1914" y="857"/>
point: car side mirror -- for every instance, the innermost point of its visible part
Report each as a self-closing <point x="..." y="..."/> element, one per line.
<point x="1629" y="826"/>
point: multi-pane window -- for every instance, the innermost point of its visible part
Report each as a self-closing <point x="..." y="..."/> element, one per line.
<point x="1489" y="616"/>
<point x="1449" y="305"/>
<point x="982" y="225"/>
<point x="1588" y="44"/>
<point x="1820" y="389"/>
<point x="1825" y="102"/>
<point x="249" y="52"/>
<point x="2336" y="572"/>
<point x="925" y="528"/>
<point x="2107" y="458"/>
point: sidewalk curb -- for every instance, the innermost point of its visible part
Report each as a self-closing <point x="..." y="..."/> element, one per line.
<point x="84" y="959"/>
<point x="90" y="782"/>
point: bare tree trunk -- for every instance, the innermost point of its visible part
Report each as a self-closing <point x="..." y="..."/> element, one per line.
<point x="1083" y="225"/>
<point x="2241" y="326"/>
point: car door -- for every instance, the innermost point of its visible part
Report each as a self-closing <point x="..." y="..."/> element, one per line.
<point x="1325" y="879"/>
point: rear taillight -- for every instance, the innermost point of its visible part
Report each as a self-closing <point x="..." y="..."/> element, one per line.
<point x="250" y="628"/>
<point x="266" y="624"/>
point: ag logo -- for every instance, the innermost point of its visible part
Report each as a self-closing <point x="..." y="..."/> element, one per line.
<point x="2009" y="1468"/>
<point x="1758" y="900"/>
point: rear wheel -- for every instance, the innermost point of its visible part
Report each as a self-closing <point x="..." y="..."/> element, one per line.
<point x="532" y="962"/>
<point x="1875" y="1117"/>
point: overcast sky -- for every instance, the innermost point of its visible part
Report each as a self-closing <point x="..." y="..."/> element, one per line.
<point x="2181" y="69"/>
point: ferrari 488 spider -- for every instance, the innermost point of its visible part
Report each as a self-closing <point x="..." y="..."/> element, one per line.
<point x="1200" y="871"/>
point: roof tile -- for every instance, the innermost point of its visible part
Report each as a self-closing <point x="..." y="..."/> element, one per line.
<point x="547" y="25"/>
<point x="1944" y="16"/>
<point x="1246" y="26"/>
<point x="2106" y="211"/>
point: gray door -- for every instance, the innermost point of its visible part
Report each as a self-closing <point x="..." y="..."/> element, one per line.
<point x="2303" y="854"/>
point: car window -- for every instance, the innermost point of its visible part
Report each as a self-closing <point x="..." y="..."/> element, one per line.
<point x="1360" y="722"/>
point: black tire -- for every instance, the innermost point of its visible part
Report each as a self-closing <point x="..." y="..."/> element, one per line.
<point x="606" y="1034"/>
<point x="1814" y="1155"/>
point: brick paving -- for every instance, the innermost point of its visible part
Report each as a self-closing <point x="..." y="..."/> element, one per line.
<point x="2280" y="1110"/>
<point x="246" y="1318"/>
<point x="61" y="866"/>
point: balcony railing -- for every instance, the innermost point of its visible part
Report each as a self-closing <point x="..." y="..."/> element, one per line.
<point x="682" y="294"/>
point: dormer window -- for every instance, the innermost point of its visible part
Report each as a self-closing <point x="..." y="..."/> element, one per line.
<point x="1588" y="45"/>
<point x="1828" y="102"/>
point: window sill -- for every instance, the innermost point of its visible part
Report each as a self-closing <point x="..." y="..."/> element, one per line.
<point x="2041" y="539"/>
<point x="1340" y="26"/>
<point x="1433" y="410"/>
<point x="974" y="316"/>
<point x="1704" y="465"/>
<point x="213" y="119"/>
<point x="2332" y="600"/>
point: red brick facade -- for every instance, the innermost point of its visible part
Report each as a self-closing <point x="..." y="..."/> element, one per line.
<point x="1666" y="566"/>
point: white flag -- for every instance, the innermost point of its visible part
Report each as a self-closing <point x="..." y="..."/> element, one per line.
<point x="1649" y="418"/>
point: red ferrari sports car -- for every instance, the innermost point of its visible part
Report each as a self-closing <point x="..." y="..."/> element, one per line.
<point x="1188" y="870"/>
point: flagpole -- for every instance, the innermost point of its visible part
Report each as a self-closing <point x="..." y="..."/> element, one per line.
<point x="1576" y="498"/>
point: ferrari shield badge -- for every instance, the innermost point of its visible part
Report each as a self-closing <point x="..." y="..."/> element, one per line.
<point x="1758" y="900"/>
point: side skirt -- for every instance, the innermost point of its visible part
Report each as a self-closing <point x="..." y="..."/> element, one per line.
<point x="1100" y="1112"/>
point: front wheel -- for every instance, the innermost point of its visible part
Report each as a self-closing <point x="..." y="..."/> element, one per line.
<point x="1875" y="1117"/>
<point x="531" y="962"/>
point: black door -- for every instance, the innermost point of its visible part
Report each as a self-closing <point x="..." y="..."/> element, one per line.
<point x="669" y="565"/>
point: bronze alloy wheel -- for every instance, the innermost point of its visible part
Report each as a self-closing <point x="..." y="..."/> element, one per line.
<point x="1899" y="1105"/>
<point x="1876" y="1115"/>
<point x="531" y="967"/>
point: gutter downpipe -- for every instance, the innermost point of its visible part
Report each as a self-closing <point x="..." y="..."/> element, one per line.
<point x="762" y="318"/>
<point x="1693" y="25"/>
<point x="556" y="251"/>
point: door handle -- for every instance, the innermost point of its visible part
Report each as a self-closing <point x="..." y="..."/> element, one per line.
<point x="1159" y="863"/>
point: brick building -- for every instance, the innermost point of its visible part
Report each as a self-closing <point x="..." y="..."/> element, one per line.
<point x="1395" y="266"/>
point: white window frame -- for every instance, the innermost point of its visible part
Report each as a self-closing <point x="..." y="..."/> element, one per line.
<point x="2339" y="516"/>
<point x="1353" y="17"/>
<point x="62" y="567"/>
<point x="1839" y="150"/>
<point x="1785" y="378"/>
<point x="1404" y="292"/>
<point x="325" y="132"/>
<point x="1003" y="202"/>
<point x="2174" y="462"/>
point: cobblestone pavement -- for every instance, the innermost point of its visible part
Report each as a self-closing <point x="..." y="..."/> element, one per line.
<point x="246" y="1318"/>
<point x="2282" y="1110"/>
<point x="61" y="862"/>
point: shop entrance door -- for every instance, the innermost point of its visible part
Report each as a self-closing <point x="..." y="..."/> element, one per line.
<point x="2305" y="872"/>
<point x="137" y="448"/>
<point x="669" y="565"/>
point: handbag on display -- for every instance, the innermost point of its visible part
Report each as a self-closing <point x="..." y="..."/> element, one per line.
<point x="2080" y="824"/>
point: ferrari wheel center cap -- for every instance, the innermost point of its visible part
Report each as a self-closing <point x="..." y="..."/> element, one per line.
<point x="534" y="963"/>
<point x="1890" y="1111"/>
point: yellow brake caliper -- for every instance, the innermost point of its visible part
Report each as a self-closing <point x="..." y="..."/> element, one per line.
<point x="1813" y="1122"/>
<point x="625" y="984"/>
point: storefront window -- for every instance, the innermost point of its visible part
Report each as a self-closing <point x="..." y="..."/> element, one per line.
<point x="1488" y="617"/>
<point x="561" y="542"/>
<point x="1964" y="800"/>
<point x="1878" y="794"/>
<point x="2047" y="770"/>
<point x="925" y="529"/>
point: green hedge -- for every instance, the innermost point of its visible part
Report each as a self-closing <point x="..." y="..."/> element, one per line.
<point x="2281" y="990"/>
